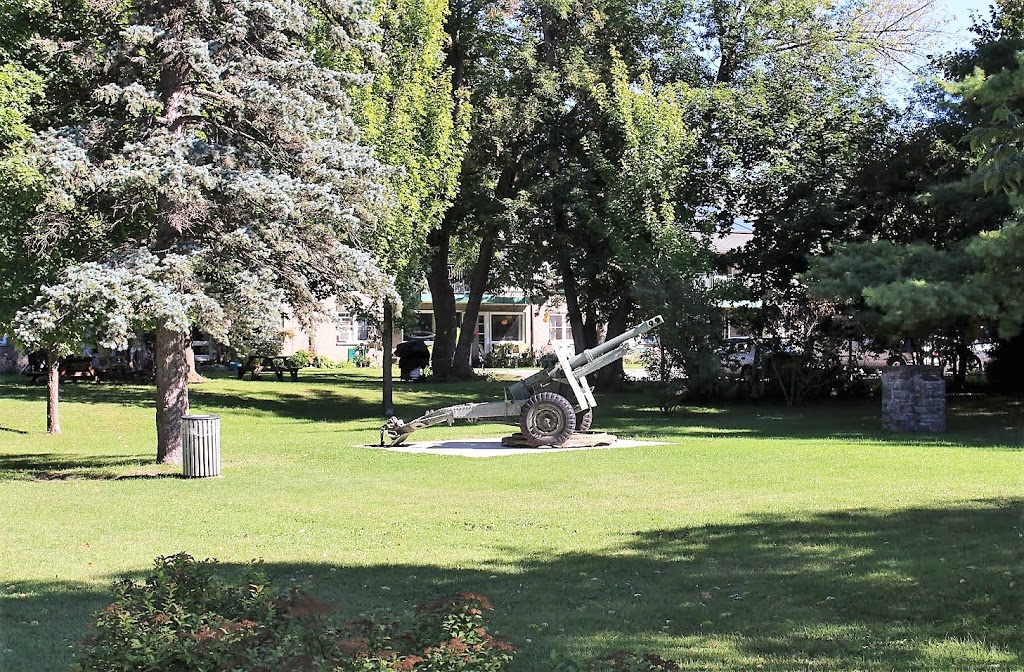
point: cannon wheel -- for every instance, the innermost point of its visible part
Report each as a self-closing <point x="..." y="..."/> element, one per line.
<point x="584" y="419"/>
<point x="547" y="419"/>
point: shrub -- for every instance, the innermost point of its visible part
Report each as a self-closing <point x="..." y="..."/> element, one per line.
<point x="1006" y="364"/>
<point x="301" y="358"/>
<point x="324" y="362"/>
<point x="184" y="617"/>
<point x="503" y="356"/>
<point x="362" y="358"/>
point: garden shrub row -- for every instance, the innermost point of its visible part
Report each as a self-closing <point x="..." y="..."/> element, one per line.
<point x="184" y="617"/>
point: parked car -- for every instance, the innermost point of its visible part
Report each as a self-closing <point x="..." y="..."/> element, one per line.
<point x="738" y="354"/>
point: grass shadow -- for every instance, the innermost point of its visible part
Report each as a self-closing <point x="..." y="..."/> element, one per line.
<point x="340" y="396"/>
<point x="55" y="467"/>
<point x="922" y="589"/>
<point x="973" y="420"/>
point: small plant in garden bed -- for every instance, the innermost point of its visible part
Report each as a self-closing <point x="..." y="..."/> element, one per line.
<point x="184" y="617"/>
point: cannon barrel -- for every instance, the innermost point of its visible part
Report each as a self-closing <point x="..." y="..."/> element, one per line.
<point x="592" y="354"/>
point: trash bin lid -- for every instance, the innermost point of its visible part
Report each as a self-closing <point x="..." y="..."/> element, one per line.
<point x="200" y="417"/>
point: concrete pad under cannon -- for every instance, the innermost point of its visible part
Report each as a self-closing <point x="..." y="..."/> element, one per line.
<point x="491" y="447"/>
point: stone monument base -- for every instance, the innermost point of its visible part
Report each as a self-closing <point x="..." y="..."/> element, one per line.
<point x="576" y="440"/>
<point x="913" y="399"/>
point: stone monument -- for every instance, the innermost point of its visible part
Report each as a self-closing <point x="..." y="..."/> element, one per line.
<point x="913" y="399"/>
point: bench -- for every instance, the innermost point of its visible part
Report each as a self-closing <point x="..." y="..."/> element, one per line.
<point x="258" y="364"/>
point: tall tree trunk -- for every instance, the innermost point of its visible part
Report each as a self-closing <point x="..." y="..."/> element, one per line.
<point x="584" y="333"/>
<point x="172" y="366"/>
<point x="387" y="341"/>
<point x="463" y="366"/>
<point x="963" y="352"/>
<point x="193" y="375"/>
<point x="506" y="187"/>
<point x="171" y="392"/>
<point x="612" y="377"/>
<point x="52" y="393"/>
<point x="442" y="295"/>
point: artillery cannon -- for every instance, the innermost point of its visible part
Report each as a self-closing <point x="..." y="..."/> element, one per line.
<point x="548" y="406"/>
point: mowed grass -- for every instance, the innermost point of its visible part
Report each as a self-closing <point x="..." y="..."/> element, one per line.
<point x="754" y="537"/>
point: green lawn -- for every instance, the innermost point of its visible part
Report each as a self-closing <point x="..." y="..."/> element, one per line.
<point x="757" y="537"/>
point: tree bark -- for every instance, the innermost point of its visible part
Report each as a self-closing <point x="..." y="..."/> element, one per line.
<point x="612" y="377"/>
<point x="442" y="295"/>
<point x="171" y="362"/>
<point x="462" y="364"/>
<point x="505" y="188"/>
<point x="584" y="332"/>
<point x="387" y="343"/>
<point x="193" y="373"/>
<point x="52" y="393"/>
<point x="171" y="392"/>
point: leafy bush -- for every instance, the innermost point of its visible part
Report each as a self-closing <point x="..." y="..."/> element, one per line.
<point x="301" y="358"/>
<point x="324" y="362"/>
<point x="362" y="358"/>
<point x="503" y="356"/>
<point x="1006" y="364"/>
<point x="184" y="617"/>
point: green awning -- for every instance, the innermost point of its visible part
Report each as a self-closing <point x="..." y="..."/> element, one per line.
<point x="488" y="299"/>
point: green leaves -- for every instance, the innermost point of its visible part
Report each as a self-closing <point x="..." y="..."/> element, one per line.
<point x="417" y="124"/>
<point x="918" y="289"/>
<point x="18" y="88"/>
<point x="999" y="138"/>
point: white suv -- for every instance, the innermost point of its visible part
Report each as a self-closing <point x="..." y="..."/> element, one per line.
<point x="738" y="355"/>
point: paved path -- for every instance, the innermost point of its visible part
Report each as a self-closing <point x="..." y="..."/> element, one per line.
<point x="491" y="447"/>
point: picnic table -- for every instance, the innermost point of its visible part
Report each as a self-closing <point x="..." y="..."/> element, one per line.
<point x="120" y="371"/>
<point x="70" y="368"/>
<point x="257" y="364"/>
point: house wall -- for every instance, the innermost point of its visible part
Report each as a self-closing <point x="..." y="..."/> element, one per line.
<point x="535" y="324"/>
<point x="336" y="341"/>
<point x="539" y="326"/>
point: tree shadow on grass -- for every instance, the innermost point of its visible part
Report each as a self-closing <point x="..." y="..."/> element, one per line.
<point x="318" y="403"/>
<point x="920" y="589"/>
<point x="55" y="467"/>
<point x="973" y="420"/>
<point x="124" y="394"/>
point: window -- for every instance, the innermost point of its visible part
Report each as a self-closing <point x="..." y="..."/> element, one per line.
<point x="558" y="327"/>
<point x="352" y="330"/>
<point x="479" y="332"/>
<point x="506" y="328"/>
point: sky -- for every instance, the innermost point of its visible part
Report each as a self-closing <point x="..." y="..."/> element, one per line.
<point x="959" y="14"/>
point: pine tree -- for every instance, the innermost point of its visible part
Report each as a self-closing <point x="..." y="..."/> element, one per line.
<point x="219" y="163"/>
